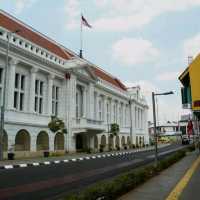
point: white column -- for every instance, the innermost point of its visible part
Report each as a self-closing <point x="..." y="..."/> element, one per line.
<point x="105" y="109"/>
<point x="97" y="107"/>
<point x="91" y="100"/>
<point x="111" y="111"/>
<point x="32" y="89"/>
<point x="11" y="83"/>
<point x="50" y="86"/>
<point x="84" y="102"/>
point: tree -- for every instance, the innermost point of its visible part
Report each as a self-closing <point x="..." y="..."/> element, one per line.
<point x="57" y="125"/>
<point x="114" y="129"/>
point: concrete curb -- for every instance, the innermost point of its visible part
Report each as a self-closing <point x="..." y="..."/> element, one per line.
<point x="35" y="164"/>
<point x="75" y="159"/>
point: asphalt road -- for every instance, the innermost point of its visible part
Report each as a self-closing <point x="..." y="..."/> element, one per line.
<point x="48" y="182"/>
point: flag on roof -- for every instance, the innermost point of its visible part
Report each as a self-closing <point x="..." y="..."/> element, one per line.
<point x="84" y="22"/>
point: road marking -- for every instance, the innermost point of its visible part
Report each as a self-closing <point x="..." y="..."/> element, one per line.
<point x="23" y="165"/>
<point x="99" y="156"/>
<point x="93" y="157"/>
<point x="47" y="163"/>
<point x="8" y="166"/>
<point x="65" y="161"/>
<point x="74" y="159"/>
<point x="57" y="161"/>
<point x="36" y="164"/>
<point x="176" y="192"/>
<point x="87" y="158"/>
<point x="80" y="158"/>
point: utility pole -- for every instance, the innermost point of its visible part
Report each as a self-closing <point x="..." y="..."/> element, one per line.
<point x="4" y="98"/>
<point x="155" y="131"/>
<point x="4" y="94"/>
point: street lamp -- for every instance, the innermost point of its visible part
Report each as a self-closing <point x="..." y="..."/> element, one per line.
<point x="154" y="121"/>
<point x="4" y="94"/>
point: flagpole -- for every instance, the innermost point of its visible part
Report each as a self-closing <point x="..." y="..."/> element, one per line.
<point x="81" y="39"/>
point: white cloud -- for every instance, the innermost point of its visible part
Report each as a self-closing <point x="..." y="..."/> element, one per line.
<point x="130" y="51"/>
<point x="20" y="5"/>
<point x="191" y="46"/>
<point x="168" y="76"/>
<point x="73" y="11"/>
<point x="128" y="14"/>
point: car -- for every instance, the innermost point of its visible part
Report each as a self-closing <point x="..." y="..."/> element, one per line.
<point x="185" y="140"/>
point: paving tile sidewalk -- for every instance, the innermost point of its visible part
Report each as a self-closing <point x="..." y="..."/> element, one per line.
<point x="159" y="187"/>
<point x="49" y="160"/>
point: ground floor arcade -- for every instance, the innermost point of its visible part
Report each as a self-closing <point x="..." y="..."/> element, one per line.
<point x="28" y="141"/>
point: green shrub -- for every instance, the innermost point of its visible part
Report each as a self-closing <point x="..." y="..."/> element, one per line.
<point x="191" y="148"/>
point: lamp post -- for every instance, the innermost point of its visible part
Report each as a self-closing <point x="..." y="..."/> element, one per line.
<point x="154" y="121"/>
<point x="4" y="93"/>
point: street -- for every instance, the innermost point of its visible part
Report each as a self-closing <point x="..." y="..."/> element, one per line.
<point x="57" y="180"/>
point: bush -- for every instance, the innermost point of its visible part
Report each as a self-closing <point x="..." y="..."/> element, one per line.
<point x="57" y="153"/>
<point x="109" y="190"/>
<point x="191" y="148"/>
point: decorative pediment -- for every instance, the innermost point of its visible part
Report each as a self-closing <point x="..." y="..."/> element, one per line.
<point x="85" y="72"/>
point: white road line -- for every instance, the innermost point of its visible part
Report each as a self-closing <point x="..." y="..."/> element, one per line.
<point x="23" y="165"/>
<point x="104" y="155"/>
<point x="35" y="164"/>
<point x="74" y="159"/>
<point x="57" y="161"/>
<point x="87" y="158"/>
<point x="80" y="158"/>
<point x="65" y="161"/>
<point x="99" y="156"/>
<point x="93" y="157"/>
<point x="47" y="163"/>
<point x="8" y="166"/>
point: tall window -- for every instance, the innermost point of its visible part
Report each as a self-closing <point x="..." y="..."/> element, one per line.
<point x="100" y="109"/>
<point x="39" y="96"/>
<point x="1" y="85"/>
<point x="115" y="112"/>
<point x="55" y="100"/>
<point x="121" y="114"/>
<point x="108" y="112"/>
<point x="79" y="102"/>
<point x="19" y="91"/>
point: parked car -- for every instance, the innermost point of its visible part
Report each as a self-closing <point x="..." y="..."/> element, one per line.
<point x="185" y="140"/>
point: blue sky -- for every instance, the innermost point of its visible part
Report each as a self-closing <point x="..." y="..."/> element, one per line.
<point x="144" y="42"/>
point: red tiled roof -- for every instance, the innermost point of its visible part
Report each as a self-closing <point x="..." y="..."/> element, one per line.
<point x="11" y="24"/>
<point x="114" y="81"/>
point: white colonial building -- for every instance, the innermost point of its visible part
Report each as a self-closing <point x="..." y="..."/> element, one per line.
<point x="44" y="79"/>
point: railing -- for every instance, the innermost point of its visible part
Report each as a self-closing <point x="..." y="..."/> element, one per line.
<point x="31" y="47"/>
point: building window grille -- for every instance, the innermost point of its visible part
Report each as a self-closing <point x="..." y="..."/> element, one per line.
<point x="19" y="91"/>
<point x="39" y="96"/>
<point x="55" y="100"/>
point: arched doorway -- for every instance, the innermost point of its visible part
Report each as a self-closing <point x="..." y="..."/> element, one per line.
<point x="103" y="140"/>
<point x="111" y="142"/>
<point x="79" y="142"/>
<point x="129" y="141"/>
<point x="22" y="141"/>
<point x="59" y="141"/>
<point x="42" y="142"/>
<point x="137" y="141"/>
<point x="123" y="141"/>
<point x="5" y="141"/>
<point x="96" y="145"/>
<point x="117" y="143"/>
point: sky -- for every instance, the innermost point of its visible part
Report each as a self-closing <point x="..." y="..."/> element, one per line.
<point x="142" y="42"/>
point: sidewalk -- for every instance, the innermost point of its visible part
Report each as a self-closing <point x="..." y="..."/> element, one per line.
<point x="8" y="164"/>
<point x="159" y="187"/>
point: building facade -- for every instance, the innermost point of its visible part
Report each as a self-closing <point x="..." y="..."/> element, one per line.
<point x="46" y="79"/>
